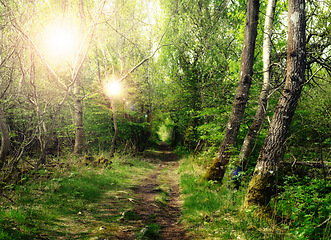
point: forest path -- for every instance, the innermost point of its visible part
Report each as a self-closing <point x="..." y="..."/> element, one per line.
<point x="136" y="198"/>
<point x="159" y="196"/>
<point x="149" y="208"/>
<point x="157" y="205"/>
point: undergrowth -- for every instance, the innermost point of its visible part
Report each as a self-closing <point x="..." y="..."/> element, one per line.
<point x="60" y="202"/>
<point x="305" y="206"/>
<point x="214" y="211"/>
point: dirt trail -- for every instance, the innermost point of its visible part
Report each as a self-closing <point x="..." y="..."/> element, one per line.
<point x="157" y="200"/>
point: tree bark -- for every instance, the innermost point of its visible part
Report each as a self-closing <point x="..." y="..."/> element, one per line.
<point x="113" y="142"/>
<point x="218" y="167"/>
<point x="79" y="134"/>
<point x="5" y="138"/>
<point x="79" y="124"/>
<point x="263" y="182"/>
<point x="263" y="101"/>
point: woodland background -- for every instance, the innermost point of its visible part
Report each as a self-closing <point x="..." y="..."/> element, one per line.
<point x="178" y="63"/>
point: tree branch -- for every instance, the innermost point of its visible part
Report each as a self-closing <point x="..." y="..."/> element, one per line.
<point x="151" y="56"/>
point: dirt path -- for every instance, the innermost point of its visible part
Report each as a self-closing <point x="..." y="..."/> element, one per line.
<point x="136" y="202"/>
<point x="149" y="210"/>
<point x="157" y="205"/>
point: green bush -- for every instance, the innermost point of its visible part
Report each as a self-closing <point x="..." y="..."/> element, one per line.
<point x="305" y="204"/>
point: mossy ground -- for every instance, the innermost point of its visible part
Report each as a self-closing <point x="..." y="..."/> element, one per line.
<point x="214" y="211"/>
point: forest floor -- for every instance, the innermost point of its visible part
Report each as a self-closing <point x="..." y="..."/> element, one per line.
<point x="149" y="208"/>
<point x="134" y="198"/>
<point x="157" y="204"/>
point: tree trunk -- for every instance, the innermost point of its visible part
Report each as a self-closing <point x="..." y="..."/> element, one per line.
<point x="262" y="185"/>
<point x="113" y="142"/>
<point x="263" y="101"/>
<point x="42" y="159"/>
<point x="79" y="134"/>
<point x="218" y="167"/>
<point x="5" y="138"/>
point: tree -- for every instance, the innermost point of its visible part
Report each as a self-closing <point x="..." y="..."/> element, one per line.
<point x="203" y="47"/>
<point x="5" y="138"/>
<point x="10" y="47"/>
<point x="262" y="184"/>
<point x="79" y="124"/>
<point x="218" y="167"/>
<point x="263" y="101"/>
<point x="129" y="36"/>
<point x="78" y="106"/>
<point x="59" y="82"/>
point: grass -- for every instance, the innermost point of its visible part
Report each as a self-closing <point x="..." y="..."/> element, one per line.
<point x="71" y="202"/>
<point x="301" y="209"/>
<point x="213" y="211"/>
<point x="151" y="231"/>
<point x="81" y="202"/>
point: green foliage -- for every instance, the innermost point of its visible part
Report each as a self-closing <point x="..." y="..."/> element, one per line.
<point x="310" y="139"/>
<point x="212" y="130"/>
<point x="306" y="206"/>
<point x="98" y="126"/>
<point x="187" y="87"/>
<point x="201" y="71"/>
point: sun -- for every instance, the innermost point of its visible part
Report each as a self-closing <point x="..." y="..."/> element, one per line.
<point x="61" y="41"/>
<point x="113" y="88"/>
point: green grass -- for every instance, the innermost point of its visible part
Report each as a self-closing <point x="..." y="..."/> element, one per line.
<point x="74" y="202"/>
<point x="51" y="202"/>
<point x="213" y="211"/>
<point x="151" y="231"/>
<point x="301" y="209"/>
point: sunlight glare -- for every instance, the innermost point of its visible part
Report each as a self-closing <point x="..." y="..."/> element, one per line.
<point x="61" y="41"/>
<point x="113" y="88"/>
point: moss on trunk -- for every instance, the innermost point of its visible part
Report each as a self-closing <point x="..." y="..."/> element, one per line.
<point x="215" y="172"/>
<point x="260" y="189"/>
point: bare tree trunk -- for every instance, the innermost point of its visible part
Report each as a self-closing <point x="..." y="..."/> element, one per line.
<point x="42" y="159"/>
<point x="263" y="101"/>
<point x="218" y="167"/>
<point x="79" y="135"/>
<point x="263" y="182"/>
<point x="5" y="138"/>
<point x="113" y="142"/>
<point x="42" y="128"/>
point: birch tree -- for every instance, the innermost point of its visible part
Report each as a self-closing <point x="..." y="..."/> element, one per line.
<point x="218" y="167"/>
<point x="262" y="184"/>
<point x="263" y="101"/>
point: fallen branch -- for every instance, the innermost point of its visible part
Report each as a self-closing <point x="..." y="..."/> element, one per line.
<point x="308" y="164"/>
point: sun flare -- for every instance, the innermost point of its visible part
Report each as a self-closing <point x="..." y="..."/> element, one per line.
<point x="61" y="41"/>
<point x="113" y="88"/>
